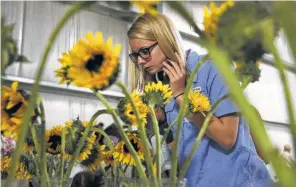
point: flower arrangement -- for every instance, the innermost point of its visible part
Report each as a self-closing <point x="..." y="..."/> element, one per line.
<point x="94" y="64"/>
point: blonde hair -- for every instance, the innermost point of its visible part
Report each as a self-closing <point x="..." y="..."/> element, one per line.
<point x="161" y="29"/>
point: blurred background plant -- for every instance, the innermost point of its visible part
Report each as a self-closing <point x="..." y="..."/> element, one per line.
<point x="9" y="50"/>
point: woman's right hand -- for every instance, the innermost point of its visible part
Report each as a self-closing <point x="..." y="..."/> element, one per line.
<point x="177" y="75"/>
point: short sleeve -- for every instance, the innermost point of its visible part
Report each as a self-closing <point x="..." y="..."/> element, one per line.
<point x="217" y="89"/>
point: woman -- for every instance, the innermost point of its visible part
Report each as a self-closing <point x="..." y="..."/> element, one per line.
<point x="226" y="155"/>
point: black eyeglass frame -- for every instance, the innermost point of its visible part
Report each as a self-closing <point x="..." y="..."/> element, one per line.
<point x="134" y="56"/>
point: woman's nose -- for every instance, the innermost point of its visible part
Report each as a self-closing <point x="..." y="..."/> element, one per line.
<point x="141" y="61"/>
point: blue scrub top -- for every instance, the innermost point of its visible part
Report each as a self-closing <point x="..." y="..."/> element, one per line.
<point x="211" y="165"/>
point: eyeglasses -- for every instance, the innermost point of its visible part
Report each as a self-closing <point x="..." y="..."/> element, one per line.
<point x="144" y="53"/>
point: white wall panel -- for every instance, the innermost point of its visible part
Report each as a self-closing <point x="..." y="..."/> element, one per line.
<point x="61" y="108"/>
<point x="193" y="46"/>
<point x="56" y="108"/>
<point x="91" y="105"/>
<point x="38" y="19"/>
<point x="283" y="47"/>
<point x="178" y="21"/>
<point x="34" y="22"/>
<point x="280" y="136"/>
<point x="267" y="95"/>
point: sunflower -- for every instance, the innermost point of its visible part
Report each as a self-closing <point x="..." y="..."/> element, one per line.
<point x="62" y="72"/>
<point x="77" y="129"/>
<point x="54" y="139"/>
<point x="147" y="6"/>
<point x="122" y="154"/>
<point x="77" y="124"/>
<point x="211" y="18"/>
<point x="5" y="163"/>
<point x="23" y="169"/>
<point x="94" y="159"/>
<point x="4" y="166"/>
<point x="126" y="111"/>
<point x="198" y="102"/>
<point x="22" y="172"/>
<point x="86" y="148"/>
<point x="157" y="94"/>
<point x="13" y="106"/>
<point x="29" y="145"/>
<point x="92" y="64"/>
<point x="108" y="158"/>
<point x="248" y="70"/>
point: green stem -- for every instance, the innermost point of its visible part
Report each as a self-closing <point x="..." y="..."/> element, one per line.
<point x="124" y="136"/>
<point x="167" y="131"/>
<point x="50" y="169"/>
<point x="179" y="120"/>
<point x="158" y="146"/>
<point x="36" y="164"/>
<point x="33" y="97"/>
<point x="200" y="135"/>
<point x="288" y="97"/>
<point x="44" y="174"/>
<point x="142" y="133"/>
<point x="122" y="176"/>
<point x="196" y="144"/>
<point x="103" y="171"/>
<point x="37" y="147"/>
<point x="82" y="142"/>
<point x="62" y="157"/>
<point x="109" y="141"/>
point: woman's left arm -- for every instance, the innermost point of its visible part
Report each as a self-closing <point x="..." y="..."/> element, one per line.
<point x="222" y="130"/>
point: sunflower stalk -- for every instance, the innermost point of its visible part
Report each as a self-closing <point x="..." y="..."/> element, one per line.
<point x="82" y="142"/>
<point x="124" y="136"/>
<point x="36" y="144"/>
<point x="27" y="116"/>
<point x="102" y="169"/>
<point x="44" y="174"/>
<point x="142" y="134"/>
<point x="269" y="44"/>
<point x="50" y="165"/>
<point x="62" y="157"/>
<point x="167" y="131"/>
<point x="158" y="146"/>
<point x="196" y="144"/>
<point x="109" y="141"/>
<point x="180" y="116"/>
<point x="221" y="60"/>
<point x="200" y="135"/>
<point x="122" y="175"/>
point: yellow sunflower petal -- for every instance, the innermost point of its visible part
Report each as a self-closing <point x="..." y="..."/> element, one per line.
<point x="14" y="85"/>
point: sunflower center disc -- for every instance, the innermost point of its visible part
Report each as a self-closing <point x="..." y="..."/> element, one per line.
<point x="95" y="62"/>
<point x="135" y="146"/>
<point x="56" y="140"/>
<point x="14" y="109"/>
